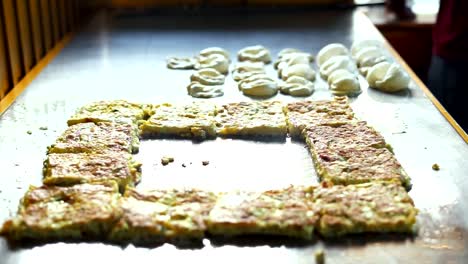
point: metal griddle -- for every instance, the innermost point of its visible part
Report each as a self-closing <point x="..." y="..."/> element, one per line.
<point x="122" y="56"/>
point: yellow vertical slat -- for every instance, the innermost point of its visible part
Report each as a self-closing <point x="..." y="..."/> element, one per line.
<point x="63" y="16"/>
<point x="4" y="84"/>
<point x="36" y="29"/>
<point x="11" y="30"/>
<point x="53" y="5"/>
<point x="22" y="8"/>
<point x="46" y="24"/>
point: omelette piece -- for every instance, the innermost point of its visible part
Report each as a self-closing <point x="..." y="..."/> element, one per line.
<point x="67" y="169"/>
<point x="348" y="135"/>
<point x="369" y="207"/>
<point x="158" y="216"/>
<point x="288" y="212"/>
<point x="358" y="165"/>
<point x="247" y="119"/>
<point x="78" y="212"/>
<point x="119" y="111"/>
<point x="195" y="120"/>
<point x="97" y="138"/>
<point x="301" y="114"/>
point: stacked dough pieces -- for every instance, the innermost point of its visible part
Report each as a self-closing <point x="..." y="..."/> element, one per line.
<point x="375" y="64"/>
<point x="338" y="68"/>
<point x="296" y="72"/>
<point x="250" y="72"/>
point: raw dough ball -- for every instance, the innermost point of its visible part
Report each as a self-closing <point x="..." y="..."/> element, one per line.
<point x="198" y="90"/>
<point x="208" y="76"/>
<point x="214" y="61"/>
<point x="293" y="59"/>
<point x="359" y="45"/>
<point x="215" y="50"/>
<point x="343" y="82"/>
<point x="246" y="69"/>
<point x="303" y="70"/>
<point x="297" y="86"/>
<point x="285" y="58"/>
<point x="336" y="63"/>
<point x="286" y="51"/>
<point x="331" y="50"/>
<point x="259" y="85"/>
<point x="254" y="53"/>
<point x="387" y="77"/>
<point x="180" y="63"/>
<point x="367" y="57"/>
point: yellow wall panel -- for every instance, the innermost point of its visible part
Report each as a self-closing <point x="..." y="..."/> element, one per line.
<point x="12" y="40"/>
<point x="36" y="29"/>
<point x="22" y="8"/>
<point x="46" y="24"/>
<point x="54" y="10"/>
<point x="4" y="83"/>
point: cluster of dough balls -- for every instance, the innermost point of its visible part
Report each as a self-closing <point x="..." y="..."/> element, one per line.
<point x="210" y="64"/>
<point x="375" y="64"/>
<point x="250" y="72"/>
<point x="338" y="69"/>
<point x="294" y="69"/>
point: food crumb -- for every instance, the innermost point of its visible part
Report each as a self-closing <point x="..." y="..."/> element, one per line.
<point x="183" y="165"/>
<point x="166" y="160"/>
<point x="435" y="167"/>
<point x="205" y="162"/>
<point x="29" y="132"/>
<point x="320" y="256"/>
<point x="43" y="128"/>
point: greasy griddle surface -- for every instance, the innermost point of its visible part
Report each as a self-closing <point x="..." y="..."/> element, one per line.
<point x="122" y="56"/>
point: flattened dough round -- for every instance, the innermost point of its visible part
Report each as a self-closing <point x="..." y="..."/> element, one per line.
<point x="254" y="53"/>
<point x="331" y="50"/>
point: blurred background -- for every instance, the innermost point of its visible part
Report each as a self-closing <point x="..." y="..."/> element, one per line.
<point x="30" y="29"/>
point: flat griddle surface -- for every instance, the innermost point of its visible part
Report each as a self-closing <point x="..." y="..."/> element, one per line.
<point x="122" y="56"/>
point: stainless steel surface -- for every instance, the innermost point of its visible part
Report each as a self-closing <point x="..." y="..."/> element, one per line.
<point x="123" y="57"/>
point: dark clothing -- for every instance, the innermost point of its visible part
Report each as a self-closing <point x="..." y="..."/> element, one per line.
<point x="448" y="81"/>
<point x="448" y="74"/>
<point x="450" y="35"/>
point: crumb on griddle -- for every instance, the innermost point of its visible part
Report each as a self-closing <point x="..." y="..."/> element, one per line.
<point x="320" y="256"/>
<point x="205" y="162"/>
<point x="166" y="160"/>
<point x="29" y="132"/>
<point x="43" y="128"/>
<point x="435" y="167"/>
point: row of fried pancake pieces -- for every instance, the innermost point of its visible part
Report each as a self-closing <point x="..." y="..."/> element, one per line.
<point x="90" y="166"/>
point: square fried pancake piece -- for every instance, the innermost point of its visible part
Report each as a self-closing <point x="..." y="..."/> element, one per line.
<point x="97" y="138"/>
<point x="119" y="111"/>
<point x="301" y="114"/>
<point x="369" y="207"/>
<point x="78" y="212"/>
<point x="256" y="118"/>
<point x="194" y="120"/>
<point x="67" y="169"/>
<point x="157" y="216"/>
<point x="286" y="212"/>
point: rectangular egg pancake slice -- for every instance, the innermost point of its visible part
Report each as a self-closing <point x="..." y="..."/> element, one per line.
<point x="97" y="138"/>
<point x="358" y="165"/>
<point x="350" y="135"/>
<point x="195" y="120"/>
<point x="163" y="216"/>
<point x="369" y="207"/>
<point x="118" y="111"/>
<point x="73" y="168"/>
<point x="246" y="119"/>
<point x="301" y="114"/>
<point x="78" y="212"/>
<point x="288" y="212"/>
